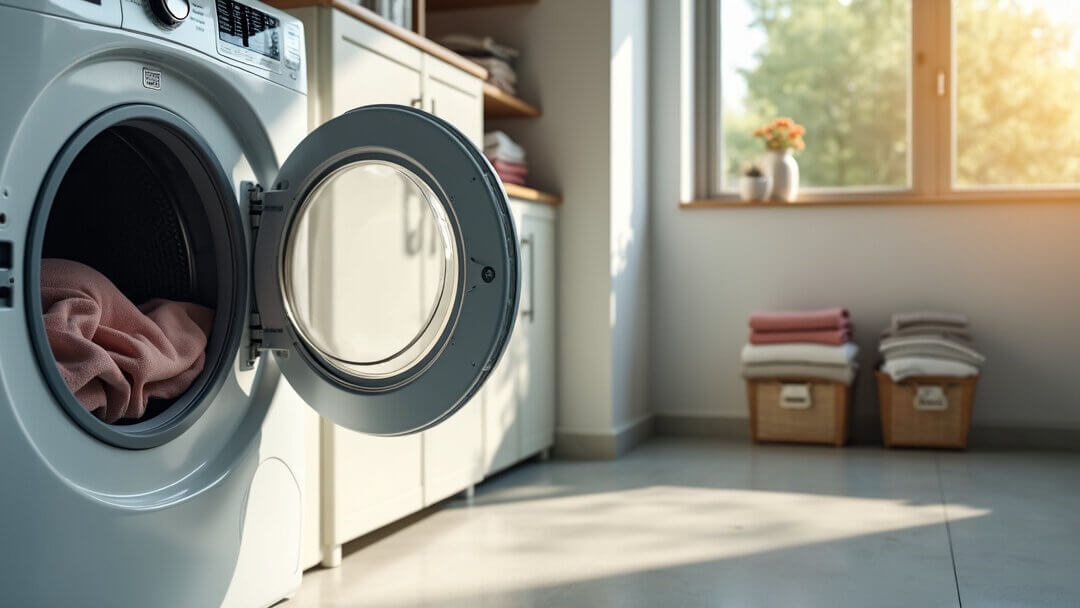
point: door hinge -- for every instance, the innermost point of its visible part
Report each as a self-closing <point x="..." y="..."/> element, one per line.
<point x="255" y="203"/>
<point x="262" y="339"/>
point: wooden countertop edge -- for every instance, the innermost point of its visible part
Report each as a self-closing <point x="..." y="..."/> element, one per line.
<point x="533" y="195"/>
<point x="407" y="36"/>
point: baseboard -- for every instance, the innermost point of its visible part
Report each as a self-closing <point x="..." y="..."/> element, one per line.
<point x="696" y="425"/>
<point x="1022" y="438"/>
<point x="981" y="438"/>
<point x="576" y="445"/>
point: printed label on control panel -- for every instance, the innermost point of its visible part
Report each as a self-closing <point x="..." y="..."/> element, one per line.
<point x="151" y="79"/>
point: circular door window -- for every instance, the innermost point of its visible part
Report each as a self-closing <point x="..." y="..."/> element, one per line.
<point x="371" y="266"/>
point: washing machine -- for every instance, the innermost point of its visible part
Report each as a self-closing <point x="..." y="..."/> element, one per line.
<point x="163" y="143"/>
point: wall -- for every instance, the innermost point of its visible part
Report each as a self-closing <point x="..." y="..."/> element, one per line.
<point x="584" y="64"/>
<point x="1011" y="267"/>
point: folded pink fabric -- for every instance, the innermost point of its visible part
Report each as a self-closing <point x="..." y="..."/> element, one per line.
<point x="510" y="178"/>
<point x="113" y="355"/>
<point x="507" y="167"/>
<point x="834" y="337"/>
<point x="829" y="318"/>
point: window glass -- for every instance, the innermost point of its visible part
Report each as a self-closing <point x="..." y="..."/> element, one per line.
<point x="840" y="68"/>
<point x="1017" y="92"/>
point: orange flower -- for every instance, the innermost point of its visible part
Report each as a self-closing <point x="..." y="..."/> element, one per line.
<point x="800" y="144"/>
<point x="798" y="130"/>
<point x="759" y="132"/>
<point x="783" y="123"/>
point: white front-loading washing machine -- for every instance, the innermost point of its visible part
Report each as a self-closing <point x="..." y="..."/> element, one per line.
<point x="163" y="143"/>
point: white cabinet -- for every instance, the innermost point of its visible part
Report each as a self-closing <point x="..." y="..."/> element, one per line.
<point x="519" y="397"/>
<point x="537" y="321"/>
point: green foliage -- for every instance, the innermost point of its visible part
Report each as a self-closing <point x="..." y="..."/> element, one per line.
<point x="842" y="70"/>
<point x="1018" y="90"/>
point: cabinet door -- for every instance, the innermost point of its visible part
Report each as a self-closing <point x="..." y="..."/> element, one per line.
<point x="456" y="96"/>
<point x="368" y="67"/>
<point x="371" y="481"/>
<point x="453" y="450"/>
<point x="508" y="387"/>
<point x="537" y="319"/>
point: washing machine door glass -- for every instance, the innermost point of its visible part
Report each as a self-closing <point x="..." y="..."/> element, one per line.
<point x="386" y="270"/>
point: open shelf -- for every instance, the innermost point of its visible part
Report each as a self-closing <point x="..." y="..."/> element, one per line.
<point x="531" y="194"/>
<point x="500" y="104"/>
<point x="453" y="5"/>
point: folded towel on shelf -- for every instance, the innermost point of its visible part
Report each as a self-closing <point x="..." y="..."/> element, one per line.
<point x="504" y="167"/>
<point x="511" y="178"/>
<point x="911" y="319"/>
<point x="930" y="346"/>
<point x="497" y="68"/>
<point x="113" y="355"/>
<point x="901" y="368"/>
<point x="830" y="318"/>
<point x="843" y="374"/>
<point x="814" y="336"/>
<point x="929" y="329"/>
<point x="820" y="354"/>
<point x="498" y="145"/>
<point x="477" y="46"/>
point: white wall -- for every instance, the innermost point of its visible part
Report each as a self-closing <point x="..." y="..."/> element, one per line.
<point x="1011" y="267"/>
<point x="584" y="65"/>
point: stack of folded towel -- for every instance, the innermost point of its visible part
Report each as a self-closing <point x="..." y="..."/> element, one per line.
<point x="494" y="57"/>
<point x="929" y="344"/>
<point x="506" y="156"/>
<point x="810" y="344"/>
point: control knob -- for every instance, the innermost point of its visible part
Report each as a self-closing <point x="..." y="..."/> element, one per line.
<point x="170" y="12"/>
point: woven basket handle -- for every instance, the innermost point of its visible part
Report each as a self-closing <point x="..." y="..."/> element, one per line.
<point x="930" y="398"/>
<point x="795" y="396"/>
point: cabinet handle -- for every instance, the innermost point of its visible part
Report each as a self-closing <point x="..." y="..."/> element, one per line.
<point x="433" y="107"/>
<point x="530" y="312"/>
<point x="417" y="102"/>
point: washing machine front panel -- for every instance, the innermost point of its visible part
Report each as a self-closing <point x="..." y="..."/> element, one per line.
<point x="386" y="269"/>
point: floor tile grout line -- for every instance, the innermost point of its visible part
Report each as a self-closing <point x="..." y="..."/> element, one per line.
<point x="948" y="528"/>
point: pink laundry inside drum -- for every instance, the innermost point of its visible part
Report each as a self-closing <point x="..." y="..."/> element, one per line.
<point x="113" y="355"/>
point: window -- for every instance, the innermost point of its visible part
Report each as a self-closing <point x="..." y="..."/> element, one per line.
<point x="901" y="99"/>
<point x="840" y="68"/>
<point x="1017" y="92"/>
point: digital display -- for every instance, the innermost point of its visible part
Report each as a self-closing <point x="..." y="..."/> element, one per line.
<point x="246" y="27"/>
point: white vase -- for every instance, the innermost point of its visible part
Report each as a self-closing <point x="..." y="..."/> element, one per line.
<point x="754" y="188"/>
<point x="783" y="172"/>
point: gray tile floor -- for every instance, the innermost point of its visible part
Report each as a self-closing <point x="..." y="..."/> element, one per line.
<point x="713" y="523"/>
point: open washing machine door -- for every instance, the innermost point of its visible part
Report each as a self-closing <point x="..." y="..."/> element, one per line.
<point x="386" y="270"/>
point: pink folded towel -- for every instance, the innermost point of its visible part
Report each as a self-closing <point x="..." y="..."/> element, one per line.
<point x="113" y="355"/>
<point x="830" y="318"/>
<point x="509" y="168"/>
<point x="834" y="337"/>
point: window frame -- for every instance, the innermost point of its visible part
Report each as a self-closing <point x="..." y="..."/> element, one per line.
<point x="932" y="107"/>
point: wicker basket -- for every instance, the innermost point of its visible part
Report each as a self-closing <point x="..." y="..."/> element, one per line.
<point x="926" y="411"/>
<point x="798" y="410"/>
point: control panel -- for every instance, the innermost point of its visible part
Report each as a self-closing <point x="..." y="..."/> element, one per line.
<point x="255" y="37"/>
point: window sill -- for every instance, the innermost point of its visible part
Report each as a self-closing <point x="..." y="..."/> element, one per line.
<point x="874" y="199"/>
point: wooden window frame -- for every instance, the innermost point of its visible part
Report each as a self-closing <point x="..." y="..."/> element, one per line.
<point x="932" y="100"/>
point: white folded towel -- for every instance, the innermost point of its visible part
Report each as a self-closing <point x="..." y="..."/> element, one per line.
<point x="499" y="145"/>
<point x="930" y="346"/>
<point x="907" y="319"/>
<point x="800" y="353"/>
<point x="902" y="368"/>
<point x="475" y="45"/>
<point x="843" y="374"/>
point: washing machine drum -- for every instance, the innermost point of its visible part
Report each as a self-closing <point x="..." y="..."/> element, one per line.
<point x="385" y="261"/>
